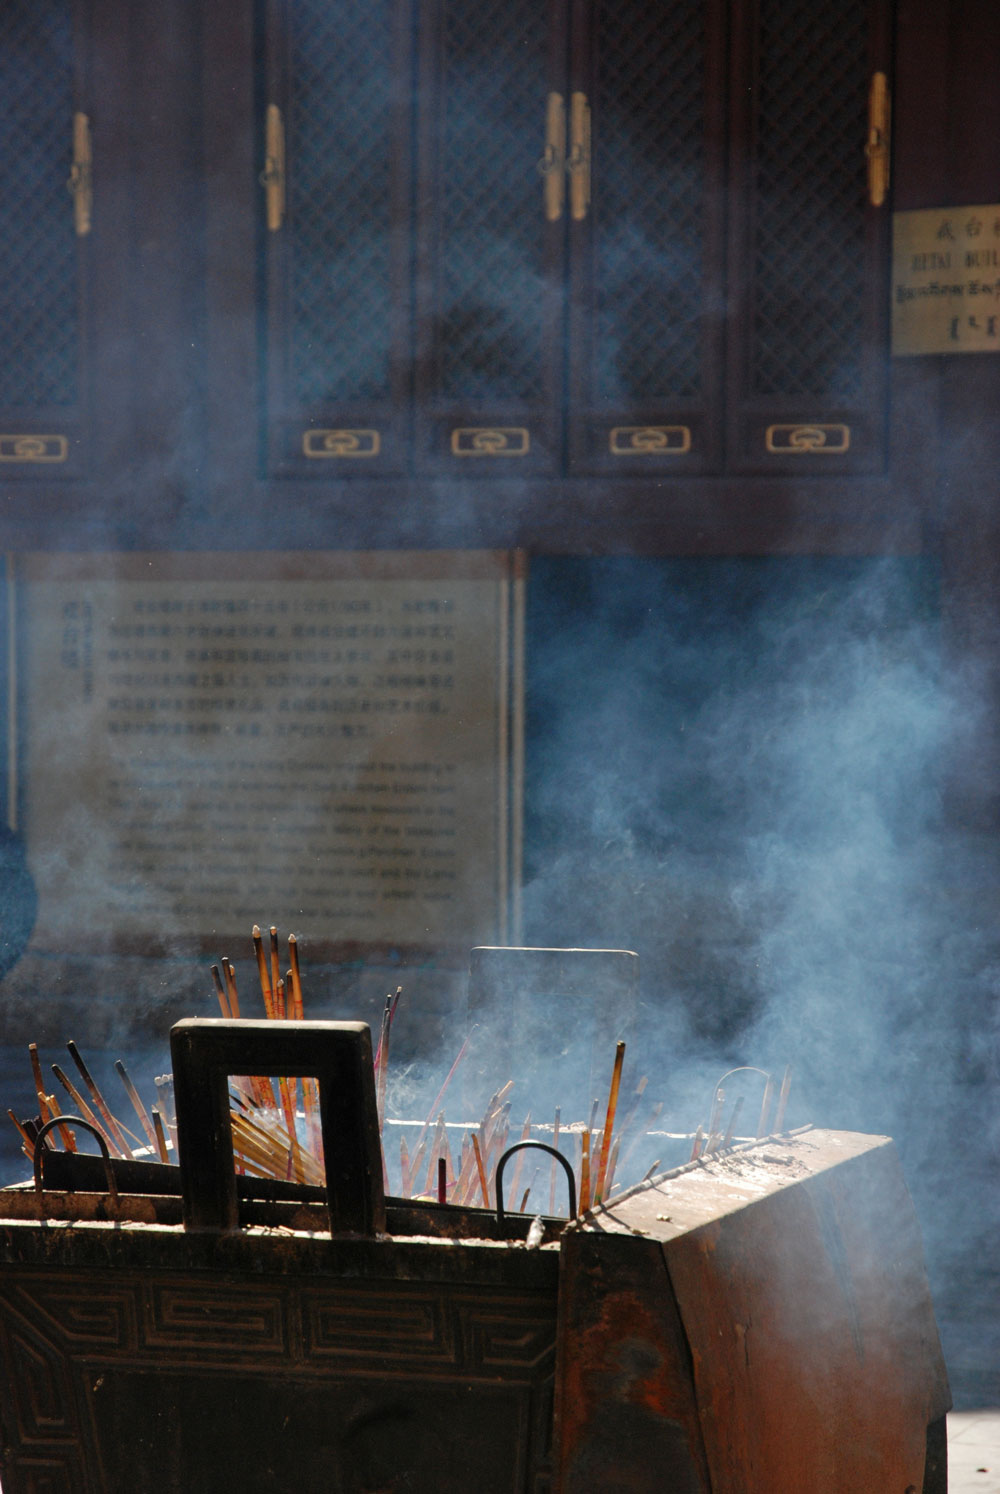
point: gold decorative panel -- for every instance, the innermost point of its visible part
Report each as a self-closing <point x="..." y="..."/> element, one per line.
<point x="490" y="441"/>
<point x="341" y="443"/>
<point x="803" y="440"/>
<point x="649" y="440"/>
<point x="31" y="448"/>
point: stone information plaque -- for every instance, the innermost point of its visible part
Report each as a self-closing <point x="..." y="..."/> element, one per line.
<point x="320" y="741"/>
<point x="946" y="280"/>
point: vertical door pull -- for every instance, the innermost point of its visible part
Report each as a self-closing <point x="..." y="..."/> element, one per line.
<point x="552" y="166"/>
<point x="877" y="148"/>
<point x="81" y="174"/>
<point x="578" y="165"/>
<point x="272" y="178"/>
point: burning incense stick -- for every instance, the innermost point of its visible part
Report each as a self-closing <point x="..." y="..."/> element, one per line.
<point x="161" y="1140"/>
<point x="275" y="962"/>
<point x="109" y="1121"/>
<point x="83" y="1108"/>
<point x="484" y="1190"/>
<point x="137" y="1105"/>
<point x="786" y="1084"/>
<point x="584" y="1171"/>
<point x="220" y="992"/>
<point x="29" y="1144"/>
<point x="519" y="1158"/>
<point x="609" y="1121"/>
<point x="765" y="1108"/>
<point x="448" y="1078"/>
<point x="554" y="1164"/>
<point x="730" y="1129"/>
<point x="265" y="983"/>
<point x="294" y="978"/>
<point x="230" y="977"/>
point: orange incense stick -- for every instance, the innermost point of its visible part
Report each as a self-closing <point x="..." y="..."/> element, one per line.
<point x="220" y="992"/>
<point x="584" y="1172"/>
<point x="29" y="1145"/>
<point x="275" y="958"/>
<point x="161" y="1140"/>
<point x="448" y="1079"/>
<point x="230" y="975"/>
<point x="609" y="1121"/>
<point x="295" y="978"/>
<point x="85" y="1111"/>
<point x="265" y="983"/>
<point x="484" y="1190"/>
<point x="112" y="1125"/>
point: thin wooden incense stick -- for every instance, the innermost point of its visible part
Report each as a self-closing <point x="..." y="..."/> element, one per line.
<point x="484" y="1190"/>
<point x="220" y="992"/>
<point x="137" y="1105"/>
<point x="275" y="961"/>
<point x="99" y="1100"/>
<point x="265" y="982"/>
<point x="161" y="1140"/>
<point x="585" y="1171"/>
<point x="765" y="1107"/>
<point x="555" y="1165"/>
<point x="786" y="1084"/>
<point x="609" y="1121"/>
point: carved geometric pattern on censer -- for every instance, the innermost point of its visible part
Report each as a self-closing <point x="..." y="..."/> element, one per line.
<point x="38" y="246"/>
<point x="809" y="268"/>
<point x="81" y="1357"/>
<point x="489" y="255"/>
<point x="649" y="198"/>
<point x="340" y="150"/>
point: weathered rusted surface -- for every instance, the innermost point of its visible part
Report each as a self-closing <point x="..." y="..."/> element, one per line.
<point x="789" y="1309"/>
<point x="758" y="1323"/>
<point x="627" y="1415"/>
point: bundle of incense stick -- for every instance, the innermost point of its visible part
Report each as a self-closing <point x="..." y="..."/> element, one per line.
<point x="274" y="1135"/>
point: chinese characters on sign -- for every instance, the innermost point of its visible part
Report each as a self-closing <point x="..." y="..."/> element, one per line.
<point x="320" y="741"/>
<point x="946" y="281"/>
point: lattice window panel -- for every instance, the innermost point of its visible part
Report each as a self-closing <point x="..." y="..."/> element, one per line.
<point x="490" y="260"/>
<point x="340" y="152"/>
<point x="649" y="199"/>
<point x="809" y="263"/>
<point x="39" y="314"/>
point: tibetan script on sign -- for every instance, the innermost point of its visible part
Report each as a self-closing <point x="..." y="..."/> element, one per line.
<point x="946" y="281"/>
<point x="323" y="741"/>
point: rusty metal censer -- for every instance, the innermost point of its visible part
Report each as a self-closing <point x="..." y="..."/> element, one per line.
<point x="757" y="1322"/>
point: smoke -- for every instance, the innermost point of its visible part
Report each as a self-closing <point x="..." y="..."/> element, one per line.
<point x="739" y="768"/>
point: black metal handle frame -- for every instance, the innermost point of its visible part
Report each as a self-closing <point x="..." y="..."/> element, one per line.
<point x="42" y="1147"/>
<point x="537" y="1146"/>
<point x="205" y="1052"/>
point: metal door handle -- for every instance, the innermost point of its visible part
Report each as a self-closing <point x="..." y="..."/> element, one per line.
<point x="878" y="144"/>
<point x="80" y="181"/>
<point x="552" y="166"/>
<point x="578" y="164"/>
<point x="272" y="178"/>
